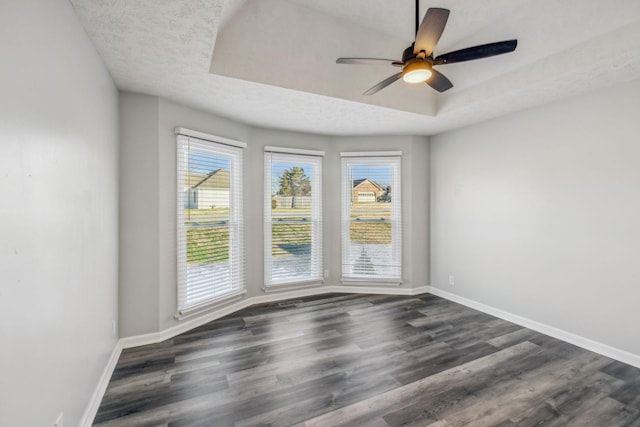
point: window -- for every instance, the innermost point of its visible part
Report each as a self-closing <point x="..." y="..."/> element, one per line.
<point x="371" y="217"/>
<point x="210" y="226"/>
<point x="293" y="216"/>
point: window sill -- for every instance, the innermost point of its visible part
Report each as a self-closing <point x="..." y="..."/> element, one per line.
<point x="292" y="285"/>
<point x="209" y="305"/>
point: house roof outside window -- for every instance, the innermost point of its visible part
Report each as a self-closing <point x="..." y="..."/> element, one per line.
<point x="357" y="182"/>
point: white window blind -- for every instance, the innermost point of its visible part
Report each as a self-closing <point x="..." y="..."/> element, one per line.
<point x="210" y="222"/>
<point x="371" y="218"/>
<point x="293" y="216"/>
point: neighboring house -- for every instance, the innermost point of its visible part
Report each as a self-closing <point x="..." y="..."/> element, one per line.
<point x="206" y="191"/>
<point x="366" y="190"/>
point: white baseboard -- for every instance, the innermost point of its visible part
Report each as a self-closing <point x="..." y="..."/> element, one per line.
<point x="580" y="341"/>
<point x="360" y="289"/>
<point x="187" y="325"/>
<point x="101" y="387"/>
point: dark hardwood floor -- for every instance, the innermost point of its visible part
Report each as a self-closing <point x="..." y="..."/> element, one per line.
<point x="368" y="360"/>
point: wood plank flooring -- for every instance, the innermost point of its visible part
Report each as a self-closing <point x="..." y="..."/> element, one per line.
<point x="368" y="360"/>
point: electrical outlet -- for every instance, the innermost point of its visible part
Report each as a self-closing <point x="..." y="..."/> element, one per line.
<point x="326" y="273"/>
<point x="452" y="280"/>
<point x="59" y="420"/>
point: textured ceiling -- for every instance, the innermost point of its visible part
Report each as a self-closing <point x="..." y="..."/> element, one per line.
<point x="272" y="62"/>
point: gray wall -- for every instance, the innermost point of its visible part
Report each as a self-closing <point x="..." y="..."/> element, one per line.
<point x="139" y="221"/>
<point x="58" y="214"/>
<point x="170" y="116"/>
<point x="148" y="278"/>
<point x="538" y="214"/>
<point x="254" y="206"/>
<point x="415" y="200"/>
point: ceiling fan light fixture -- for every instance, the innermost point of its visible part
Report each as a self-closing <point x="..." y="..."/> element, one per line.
<point x="418" y="60"/>
<point x="417" y="72"/>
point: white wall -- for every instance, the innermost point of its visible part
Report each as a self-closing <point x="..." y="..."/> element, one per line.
<point x="148" y="278"/>
<point x="538" y="214"/>
<point x="58" y="214"/>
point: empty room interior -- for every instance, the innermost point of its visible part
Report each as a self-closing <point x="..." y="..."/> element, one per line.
<point x="320" y="213"/>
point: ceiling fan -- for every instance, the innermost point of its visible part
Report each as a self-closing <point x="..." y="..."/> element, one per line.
<point x="418" y="61"/>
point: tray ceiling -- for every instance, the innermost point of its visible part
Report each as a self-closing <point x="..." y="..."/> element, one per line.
<point x="271" y="63"/>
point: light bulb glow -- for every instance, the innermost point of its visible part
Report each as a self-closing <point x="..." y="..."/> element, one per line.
<point x="417" y="72"/>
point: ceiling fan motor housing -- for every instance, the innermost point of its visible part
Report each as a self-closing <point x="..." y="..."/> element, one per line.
<point x="409" y="56"/>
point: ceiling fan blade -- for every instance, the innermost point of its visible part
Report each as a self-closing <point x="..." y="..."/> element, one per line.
<point x="439" y="82"/>
<point x="386" y="82"/>
<point x="368" y="61"/>
<point x="477" y="52"/>
<point x="430" y="30"/>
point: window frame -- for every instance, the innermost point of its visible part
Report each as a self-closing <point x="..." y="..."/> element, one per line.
<point x="392" y="159"/>
<point x="233" y="151"/>
<point x="314" y="159"/>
